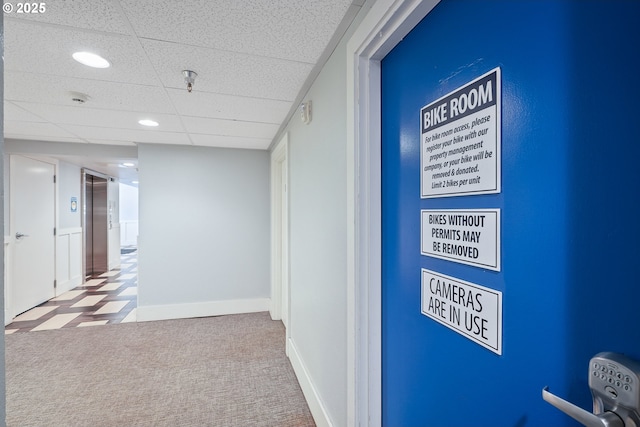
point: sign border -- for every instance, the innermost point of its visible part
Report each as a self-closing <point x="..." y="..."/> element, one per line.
<point x="498" y="349"/>
<point x="498" y="154"/>
<point x="498" y="238"/>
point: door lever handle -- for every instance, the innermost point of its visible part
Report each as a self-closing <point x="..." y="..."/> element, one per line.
<point x="606" y="419"/>
<point x="21" y="235"/>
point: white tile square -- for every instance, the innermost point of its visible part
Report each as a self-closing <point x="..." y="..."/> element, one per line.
<point x="94" y="282"/>
<point x="35" y="313"/>
<point x="131" y="317"/>
<point x="89" y="301"/>
<point x="126" y="277"/>
<point x="111" y="307"/>
<point x="9" y="331"/>
<point x="56" y="322"/>
<point x="93" y="323"/>
<point x="67" y="296"/>
<point x="110" y="287"/>
<point x="133" y="290"/>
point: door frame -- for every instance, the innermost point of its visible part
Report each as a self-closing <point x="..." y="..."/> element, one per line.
<point x="385" y="25"/>
<point x="280" y="233"/>
<point x="83" y="220"/>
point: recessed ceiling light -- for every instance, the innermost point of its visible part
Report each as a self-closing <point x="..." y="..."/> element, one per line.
<point x="147" y="122"/>
<point x="91" y="60"/>
<point x="129" y="165"/>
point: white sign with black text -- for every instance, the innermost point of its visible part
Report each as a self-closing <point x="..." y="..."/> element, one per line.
<point x="469" y="309"/>
<point x="467" y="236"/>
<point x="461" y="140"/>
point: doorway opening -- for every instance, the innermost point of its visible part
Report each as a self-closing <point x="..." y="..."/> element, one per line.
<point x="279" y="233"/>
<point x="96" y="224"/>
<point x="107" y="292"/>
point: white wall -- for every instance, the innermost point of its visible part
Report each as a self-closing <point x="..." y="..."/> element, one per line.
<point x="113" y="222"/>
<point x="3" y="212"/>
<point x="318" y="243"/>
<point x="128" y="215"/>
<point x="203" y="246"/>
<point x="69" y="234"/>
<point x="69" y="185"/>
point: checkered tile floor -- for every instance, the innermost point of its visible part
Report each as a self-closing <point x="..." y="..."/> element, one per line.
<point x="107" y="298"/>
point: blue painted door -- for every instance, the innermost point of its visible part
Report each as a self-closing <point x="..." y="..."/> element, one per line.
<point x="570" y="209"/>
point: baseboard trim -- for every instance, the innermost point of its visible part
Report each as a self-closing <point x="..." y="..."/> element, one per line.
<point x="309" y="390"/>
<point x="201" y="309"/>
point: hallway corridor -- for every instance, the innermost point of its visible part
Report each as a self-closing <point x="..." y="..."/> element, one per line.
<point x="104" y="299"/>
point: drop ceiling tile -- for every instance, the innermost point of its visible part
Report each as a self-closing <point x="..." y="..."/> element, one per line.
<point x="50" y="48"/>
<point x="286" y="29"/>
<point x="109" y="142"/>
<point x="204" y="104"/>
<point x="83" y="115"/>
<point x="98" y="15"/>
<point x="52" y="139"/>
<point x="14" y="112"/>
<point x="230" y="141"/>
<point x="127" y="135"/>
<point x="204" y="125"/>
<point x="227" y="72"/>
<point x="16" y="129"/>
<point x="43" y="89"/>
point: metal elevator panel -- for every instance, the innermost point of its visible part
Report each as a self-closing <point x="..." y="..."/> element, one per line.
<point x="95" y="224"/>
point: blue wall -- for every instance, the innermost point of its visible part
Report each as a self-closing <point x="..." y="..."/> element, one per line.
<point x="570" y="206"/>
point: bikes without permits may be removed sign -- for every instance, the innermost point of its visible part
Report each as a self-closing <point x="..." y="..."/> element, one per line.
<point x="461" y="140"/>
<point x="467" y="236"/>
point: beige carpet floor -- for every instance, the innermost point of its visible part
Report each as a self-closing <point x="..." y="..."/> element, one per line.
<point x="215" y="371"/>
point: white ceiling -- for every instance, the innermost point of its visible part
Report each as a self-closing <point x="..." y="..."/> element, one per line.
<point x="254" y="59"/>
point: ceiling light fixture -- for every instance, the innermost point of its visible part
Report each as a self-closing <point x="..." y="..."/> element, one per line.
<point x="189" y="78"/>
<point x="148" y="122"/>
<point x="128" y="164"/>
<point x="91" y="60"/>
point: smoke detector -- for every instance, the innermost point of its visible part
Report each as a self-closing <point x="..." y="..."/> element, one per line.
<point x="189" y="78"/>
<point x="79" y="98"/>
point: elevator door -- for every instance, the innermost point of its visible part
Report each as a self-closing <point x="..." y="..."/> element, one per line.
<point x="96" y="225"/>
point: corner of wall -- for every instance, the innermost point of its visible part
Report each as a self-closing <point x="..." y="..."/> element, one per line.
<point x="311" y="394"/>
<point x="202" y="309"/>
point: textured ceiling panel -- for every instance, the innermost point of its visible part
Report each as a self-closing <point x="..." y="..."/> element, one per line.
<point x="127" y="135"/>
<point x="229" y="127"/>
<point x="84" y="115"/>
<point x="286" y="29"/>
<point x="13" y="128"/>
<point x="212" y="105"/>
<point x="99" y="15"/>
<point x="109" y="142"/>
<point x="230" y="141"/>
<point x="253" y="58"/>
<point x="50" y="48"/>
<point x="14" y="112"/>
<point x="47" y="138"/>
<point x="227" y="72"/>
<point x="38" y="88"/>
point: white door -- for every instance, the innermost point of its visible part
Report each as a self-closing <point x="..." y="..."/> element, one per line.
<point x="32" y="204"/>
